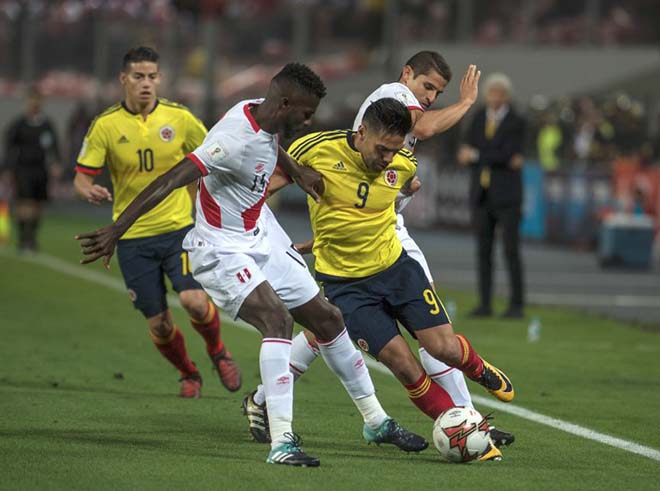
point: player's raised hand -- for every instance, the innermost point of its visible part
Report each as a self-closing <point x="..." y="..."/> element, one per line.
<point x="310" y="181"/>
<point x="470" y="85"/>
<point x="100" y="243"/>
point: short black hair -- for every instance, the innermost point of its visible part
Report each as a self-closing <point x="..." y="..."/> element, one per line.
<point x="388" y="115"/>
<point x="138" y="54"/>
<point x="303" y="77"/>
<point x="425" y="61"/>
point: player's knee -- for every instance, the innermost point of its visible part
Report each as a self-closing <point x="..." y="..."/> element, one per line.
<point x="278" y="323"/>
<point x="444" y="348"/>
<point x="195" y="302"/>
<point x="160" y="327"/>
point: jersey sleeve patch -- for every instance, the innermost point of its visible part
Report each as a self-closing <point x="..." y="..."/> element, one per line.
<point x="218" y="154"/>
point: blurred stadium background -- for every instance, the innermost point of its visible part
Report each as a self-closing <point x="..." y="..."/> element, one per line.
<point x="585" y="75"/>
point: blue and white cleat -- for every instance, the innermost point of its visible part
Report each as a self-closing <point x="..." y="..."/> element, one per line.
<point x="290" y="453"/>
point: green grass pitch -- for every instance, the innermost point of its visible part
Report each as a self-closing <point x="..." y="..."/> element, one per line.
<point x="87" y="403"/>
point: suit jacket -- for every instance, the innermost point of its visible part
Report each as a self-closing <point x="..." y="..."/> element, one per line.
<point x="505" y="188"/>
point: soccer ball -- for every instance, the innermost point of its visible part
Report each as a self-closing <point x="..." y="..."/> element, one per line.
<point x="461" y="434"/>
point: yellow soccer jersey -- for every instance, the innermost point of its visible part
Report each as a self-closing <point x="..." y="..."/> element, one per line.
<point x="354" y="225"/>
<point x="137" y="152"/>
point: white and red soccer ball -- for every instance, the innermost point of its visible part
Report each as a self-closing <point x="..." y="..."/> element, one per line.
<point x="461" y="434"/>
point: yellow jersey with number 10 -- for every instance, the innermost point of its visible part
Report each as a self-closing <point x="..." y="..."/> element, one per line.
<point x="137" y="152"/>
<point x="354" y="225"/>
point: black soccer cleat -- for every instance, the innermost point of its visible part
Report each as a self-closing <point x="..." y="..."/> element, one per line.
<point x="501" y="438"/>
<point x="391" y="432"/>
<point x="257" y="419"/>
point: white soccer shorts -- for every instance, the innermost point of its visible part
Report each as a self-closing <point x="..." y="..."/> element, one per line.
<point x="229" y="277"/>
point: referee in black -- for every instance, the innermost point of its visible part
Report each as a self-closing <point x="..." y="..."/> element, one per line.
<point x="32" y="154"/>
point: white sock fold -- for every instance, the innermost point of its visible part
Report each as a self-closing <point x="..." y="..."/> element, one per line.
<point x="347" y="363"/>
<point x="277" y="382"/>
<point x="449" y="378"/>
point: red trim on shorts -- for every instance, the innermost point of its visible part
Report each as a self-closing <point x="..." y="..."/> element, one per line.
<point x="210" y="208"/>
<point x="90" y="171"/>
<point x="248" y="114"/>
<point x="294" y="369"/>
<point x="200" y="165"/>
<point x="251" y="215"/>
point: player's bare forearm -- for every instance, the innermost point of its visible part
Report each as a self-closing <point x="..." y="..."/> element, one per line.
<point x="101" y="242"/>
<point x="308" y="179"/>
<point x="182" y="174"/>
<point x="440" y="120"/>
<point x="277" y="181"/>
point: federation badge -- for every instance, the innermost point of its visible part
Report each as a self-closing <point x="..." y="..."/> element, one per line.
<point x="259" y="167"/>
<point x="167" y="133"/>
<point x="391" y="177"/>
<point x="364" y="346"/>
<point x="216" y="153"/>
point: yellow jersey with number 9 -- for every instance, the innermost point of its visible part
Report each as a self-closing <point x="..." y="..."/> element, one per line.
<point x="354" y="224"/>
<point x="136" y="152"/>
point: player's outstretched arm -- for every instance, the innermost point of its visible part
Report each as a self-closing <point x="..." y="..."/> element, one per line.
<point x="308" y="179"/>
<point x="101" y="242"/>
<point x="440" y="120"/>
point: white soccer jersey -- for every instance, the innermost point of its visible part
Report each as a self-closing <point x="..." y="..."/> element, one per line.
<point x="237" y="159"/>
<point x="396" y="91"/>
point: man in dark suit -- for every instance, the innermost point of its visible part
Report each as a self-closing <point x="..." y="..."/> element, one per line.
<point x="493" y="150"/>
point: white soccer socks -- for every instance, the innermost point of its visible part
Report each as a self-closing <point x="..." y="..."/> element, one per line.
<point x="278" y="386"/>
<point x="302" y="356"/>
<point x="450" y="379"/>
<point x="347" y="363"/>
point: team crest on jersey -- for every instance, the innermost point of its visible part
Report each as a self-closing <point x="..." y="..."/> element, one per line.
<point x="260" y="167"/>
<point x="364" y="346"/>
<point x="167" y="133"/>
<point x="391" y="177"/>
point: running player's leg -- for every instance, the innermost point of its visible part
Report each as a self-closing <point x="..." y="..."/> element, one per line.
<point x="141" y="269"/>
<point x="237" y="284"/>
<point x="420" y="310"/>
<point x="288" y="273"/>
<point x="203" y="314"/>
<point x="451" y="379"/>
<point x="375" y="331"/>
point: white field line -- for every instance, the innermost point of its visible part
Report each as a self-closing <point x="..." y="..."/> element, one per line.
<point x="69" y="269"/>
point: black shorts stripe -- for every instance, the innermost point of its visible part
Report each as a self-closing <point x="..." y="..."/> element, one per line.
<point x="307" y="146"/>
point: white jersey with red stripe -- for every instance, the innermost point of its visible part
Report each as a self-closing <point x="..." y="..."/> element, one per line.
<point x="395" y="90"/>
<point x="237" y="159"/>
